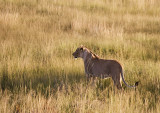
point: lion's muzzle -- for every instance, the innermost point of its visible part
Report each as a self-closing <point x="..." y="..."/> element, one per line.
<point x="74" y="55"/>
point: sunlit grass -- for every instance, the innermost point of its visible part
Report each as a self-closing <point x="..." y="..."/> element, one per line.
<point x="39" y="74"/>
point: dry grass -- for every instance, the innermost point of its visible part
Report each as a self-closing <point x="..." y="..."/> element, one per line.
<point x="39" y="74"/>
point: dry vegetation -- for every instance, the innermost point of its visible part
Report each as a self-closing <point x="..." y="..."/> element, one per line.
<point x="38" y="73"/>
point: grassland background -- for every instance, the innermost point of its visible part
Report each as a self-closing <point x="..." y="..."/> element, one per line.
<point x="38" y="73"/>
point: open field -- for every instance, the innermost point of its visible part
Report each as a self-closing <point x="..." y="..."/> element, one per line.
<point x="38" y="73"/>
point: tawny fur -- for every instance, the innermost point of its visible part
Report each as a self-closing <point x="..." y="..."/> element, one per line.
<point x="97" y="67"/>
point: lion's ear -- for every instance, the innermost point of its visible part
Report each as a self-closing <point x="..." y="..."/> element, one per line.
<point x="81" y="45"/>
<point x="81" y="49"/>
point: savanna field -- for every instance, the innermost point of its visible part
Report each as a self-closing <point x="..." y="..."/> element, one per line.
<point x="38" y="73"/>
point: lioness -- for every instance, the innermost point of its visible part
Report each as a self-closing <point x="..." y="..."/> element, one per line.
<point x="97" y="67"/>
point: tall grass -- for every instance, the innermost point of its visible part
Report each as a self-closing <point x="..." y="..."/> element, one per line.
<point x="39" y="74"/>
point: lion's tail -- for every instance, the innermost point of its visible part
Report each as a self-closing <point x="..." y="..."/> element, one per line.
<point x="136" y="84"/>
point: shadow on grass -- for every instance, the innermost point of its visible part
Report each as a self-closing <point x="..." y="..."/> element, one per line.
<point x="39" y="80"/>
<point x="50" y="80"/>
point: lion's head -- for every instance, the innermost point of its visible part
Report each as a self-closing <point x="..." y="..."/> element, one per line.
<point x="83" y="52"/>
<point x="79" y="53"/>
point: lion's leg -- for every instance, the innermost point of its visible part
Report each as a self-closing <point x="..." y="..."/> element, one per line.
<point x="91" y="79"/>
<point x="88" y="77"/>
<point x="119" y="85"/>
<point x="116" y="80"/>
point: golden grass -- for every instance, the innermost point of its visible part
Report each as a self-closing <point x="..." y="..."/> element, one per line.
<point x="39" y="74"/>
